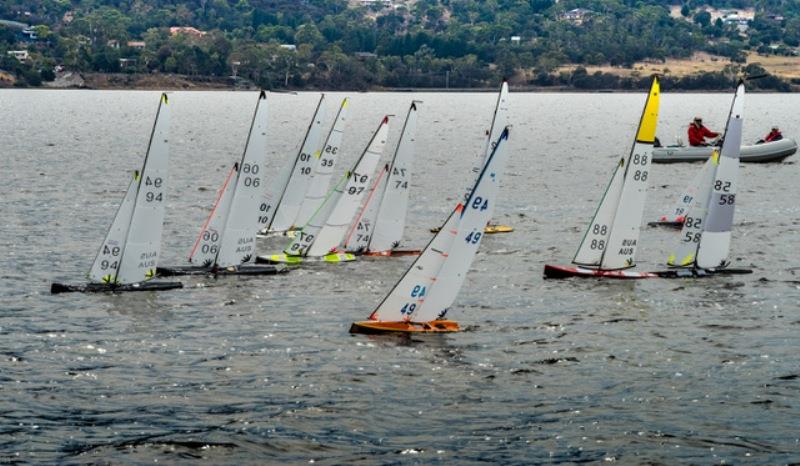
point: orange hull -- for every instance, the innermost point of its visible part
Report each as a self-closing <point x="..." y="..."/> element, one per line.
<point x="393" y="253"/>
<point x="375" y="327"/>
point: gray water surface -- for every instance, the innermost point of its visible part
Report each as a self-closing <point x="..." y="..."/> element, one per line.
<point x="253" y="370"/>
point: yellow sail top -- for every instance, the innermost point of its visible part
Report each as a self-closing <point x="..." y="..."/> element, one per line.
<point x="647" y="125"/>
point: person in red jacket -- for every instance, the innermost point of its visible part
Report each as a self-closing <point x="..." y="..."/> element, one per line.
<point x="774" y="135"/>
<point x="698" y="133"/>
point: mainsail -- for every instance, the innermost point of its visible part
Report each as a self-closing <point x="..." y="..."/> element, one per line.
<point x="430" y="285"/>
<point x="499" y="122"/>
<point x="685" y="251"/>
<point x="390" y="221"/>
<point x="353" y="192"/>
<point x="712" y="237"/>
<point x="229" y="235"/>
<point x="323" y="170"/>
<point x="282" y="201"/>
<point x="611" y="239"/>
<point x="129" y="254"/>
<point x="360" y="233"/>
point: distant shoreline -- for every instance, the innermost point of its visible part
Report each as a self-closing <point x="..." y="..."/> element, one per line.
<point x="173" y="82"/>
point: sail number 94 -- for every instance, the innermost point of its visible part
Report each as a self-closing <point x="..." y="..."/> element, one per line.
<point x="154" y="183"/>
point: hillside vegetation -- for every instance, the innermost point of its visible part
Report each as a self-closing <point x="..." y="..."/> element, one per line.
<point x="335" y="44"/>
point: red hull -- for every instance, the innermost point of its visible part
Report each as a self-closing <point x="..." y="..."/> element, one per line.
<point x="393" y="253"/>
<point x="558" y="271"/>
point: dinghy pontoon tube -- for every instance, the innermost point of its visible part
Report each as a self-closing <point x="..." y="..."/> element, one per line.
<point x="757" y="153"/>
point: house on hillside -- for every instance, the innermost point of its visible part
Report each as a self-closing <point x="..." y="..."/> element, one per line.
<point x="741" y="22"/>
<point x="383" y="3"/>
<point x="24" y="32"/>
<point x="136" y="44"/>
<point x="20" y="55"/>
<point x="576" y="16"/>
<point x="186" y="30"/>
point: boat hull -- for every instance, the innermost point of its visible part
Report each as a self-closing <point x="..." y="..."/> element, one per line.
<point x="489" y="230"/>
<point x="56" y="288"/>
<point x="559" y="271"/>
<point x="273" y="233"/>
<point x="758" y="153"/>
<point x="392" y="253"/>
<point x="374" y="327"/>
<point x="666" y="223"/>
<point x="332" y="258"/>
<point x="241" y="270"/>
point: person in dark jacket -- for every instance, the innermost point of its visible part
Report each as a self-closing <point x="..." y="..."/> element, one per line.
<point x="774" y="135"/>
<point x="698" y="133"/>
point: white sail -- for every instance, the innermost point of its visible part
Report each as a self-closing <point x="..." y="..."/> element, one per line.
<point x="685" y="251"/>
<point x="593" y="245"/>
<point x="303" y="239"/>
<point x="206" y="247"/>
<point x="286" y="205"/>
<point x="360" y="232"/>
<point x="616" y="240"/>
<point x="267" y="210"/>
<point x="620" y="251"/>
<point x="715" y="242"/>
<point x="354" y="191"/>
<point x="477" y="212"/>
<point x="684" y="201"/>
<point x="323" y="170"/>
<point x="411" y="290"/>
<point x="499" y="122"/>
<point x="139" y="257"/>
<point x="106" y="263"/>
<point x="238" y="243"/>
<point x="391" y="219"/>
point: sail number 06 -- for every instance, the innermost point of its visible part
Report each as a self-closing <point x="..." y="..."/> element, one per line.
<point x="251" y="169"/>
